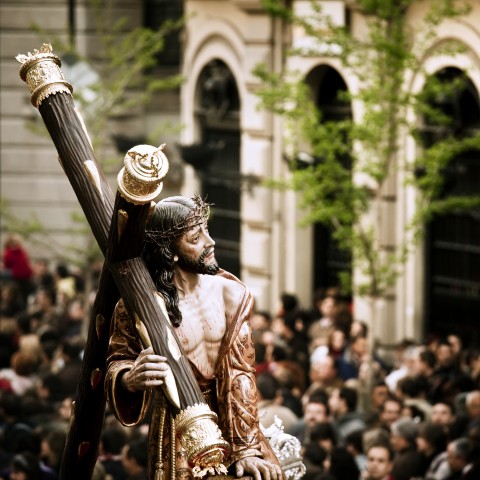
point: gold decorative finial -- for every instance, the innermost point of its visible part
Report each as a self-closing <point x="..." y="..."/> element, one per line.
<point x="45" y="48"/>
<point x="41" y="71"/>
<point x="139" y="181"/>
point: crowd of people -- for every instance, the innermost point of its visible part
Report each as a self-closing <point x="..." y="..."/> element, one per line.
<point x="43" y="312"/>
<point x="412" y="412"/>
<point x="407" y="412"/>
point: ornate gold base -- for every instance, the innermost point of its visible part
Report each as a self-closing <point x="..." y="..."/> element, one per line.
<point x="202" y="439"/>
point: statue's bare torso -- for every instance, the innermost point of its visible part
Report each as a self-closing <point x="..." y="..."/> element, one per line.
<point x="206" y="311"/>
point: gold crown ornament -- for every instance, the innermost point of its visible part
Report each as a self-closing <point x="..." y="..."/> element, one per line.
<point x="140" y="180"/>
<point x="41" y="72"/>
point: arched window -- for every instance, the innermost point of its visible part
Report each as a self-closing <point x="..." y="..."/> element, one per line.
<point x="452" y="245"/>
<point x="218" y="116"/>
<point x="329" y="261"/>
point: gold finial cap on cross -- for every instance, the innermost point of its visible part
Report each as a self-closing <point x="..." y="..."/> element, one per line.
<point x="41" y="72"/>
<point x="140" y="180"/>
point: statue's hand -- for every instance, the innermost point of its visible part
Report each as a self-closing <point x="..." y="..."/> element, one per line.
<point x="258" y="468"/>
<point x="148" y="371"/>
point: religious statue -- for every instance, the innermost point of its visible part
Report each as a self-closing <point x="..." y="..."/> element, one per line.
<point x="210" y="309"/>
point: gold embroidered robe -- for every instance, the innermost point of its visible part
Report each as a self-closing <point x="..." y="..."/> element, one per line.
<point x="232" y="394"/>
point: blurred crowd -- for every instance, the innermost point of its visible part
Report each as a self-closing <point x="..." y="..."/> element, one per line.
<point x="360" y="411"/>
<point x="44" y="311"/>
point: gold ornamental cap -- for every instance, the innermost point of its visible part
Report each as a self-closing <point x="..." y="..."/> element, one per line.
<point x="41" y="71"/>
<point x="140" y="180"/>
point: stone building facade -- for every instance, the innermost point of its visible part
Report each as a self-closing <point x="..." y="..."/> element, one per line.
<point x="227" y="145"/>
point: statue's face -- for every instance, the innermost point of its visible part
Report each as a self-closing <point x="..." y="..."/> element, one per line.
<point x="195" y="250"/>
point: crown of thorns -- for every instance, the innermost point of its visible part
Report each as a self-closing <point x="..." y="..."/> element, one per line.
<point x="199" y="214"/>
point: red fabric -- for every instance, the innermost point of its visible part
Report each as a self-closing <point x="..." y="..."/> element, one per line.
<point x="16" y="260"/>
<point x="5" y="385"/>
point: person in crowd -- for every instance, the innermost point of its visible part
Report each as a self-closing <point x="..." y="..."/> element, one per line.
<point x="442" y="413"/>
<point x="25" y="466"/>
<point x="25" y="441"/>
<point x="413" y="413"/>
<point x="413" y="391"/>
<point x="288" y="307"/>
<point x="457" y="457"/>
<point x="293" y="335"/>
<point x="431" y="442"/>
<point x="340" y="465"/>
<point x="472" y="359"/>
<point x="65" y="285"/>
<point x="391" y="412"/>
<point x="472" y="404"/>
<point x="112" y="441"/>
<point x="409" y="356"/>
<point x="261" y="324"/>
<point x="379" y="462"/>
<point x="324" y="435"/>
<point x="472" y="470"/>
<point x="337" y="342"/>
<point x="323" y="372"/>
<point x="49" y="351"/>
<point x="316" y="410"/>
<point x="50" y="390"/>
<point x="343" y="407"/>
<point x="354" y="356"/>
<point x="269" y="403"/>
<point x="321" y="328"/>
<point x="448" y="380"/>
<point x="378" y="397"/>
<point x="288" y="304"/>
<point x="313" y="457"/>
<point x="407" y="462"/>
<point x="99" y="472"/>
<point x="65" y="408"/>
<point x="16" y="264"/>
<point x="135" y="458"/>
<point x="261" y="362"/>
<point x="21" y="376"/>
<point x="261" y="321"/>
<point x="7" y="348"/>
<point x="42" y="276"/>
<point x="358" y="327"/>
<point x="74" y="316"/>
<point x="12" y="301"/>
<point x="284" y="367"/>
<point x="354" y="444"/>
<point x="456" y="344"/>
<point x="13" y="423"/>
<point x="68" y="374"/>
<point x="51" y="447"/>
<point x="43" y="314"/>
<point x="439" y="468"/>
<point x="427" y="362"/>
<point x="290" y="399"/>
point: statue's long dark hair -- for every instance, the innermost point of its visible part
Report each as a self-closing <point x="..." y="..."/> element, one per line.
<point x="167" y="222"/>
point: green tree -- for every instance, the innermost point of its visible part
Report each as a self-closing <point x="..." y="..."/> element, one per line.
<point x="344" y="186"/>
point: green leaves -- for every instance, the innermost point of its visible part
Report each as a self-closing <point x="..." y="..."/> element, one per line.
<point x="351" y="162"/>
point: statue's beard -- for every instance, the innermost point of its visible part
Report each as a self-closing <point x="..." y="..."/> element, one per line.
<point x="197" y="265"/>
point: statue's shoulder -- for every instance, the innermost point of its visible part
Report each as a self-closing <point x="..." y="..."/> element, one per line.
<point x="235" y="292"/>
<point x="231" y="281"/>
